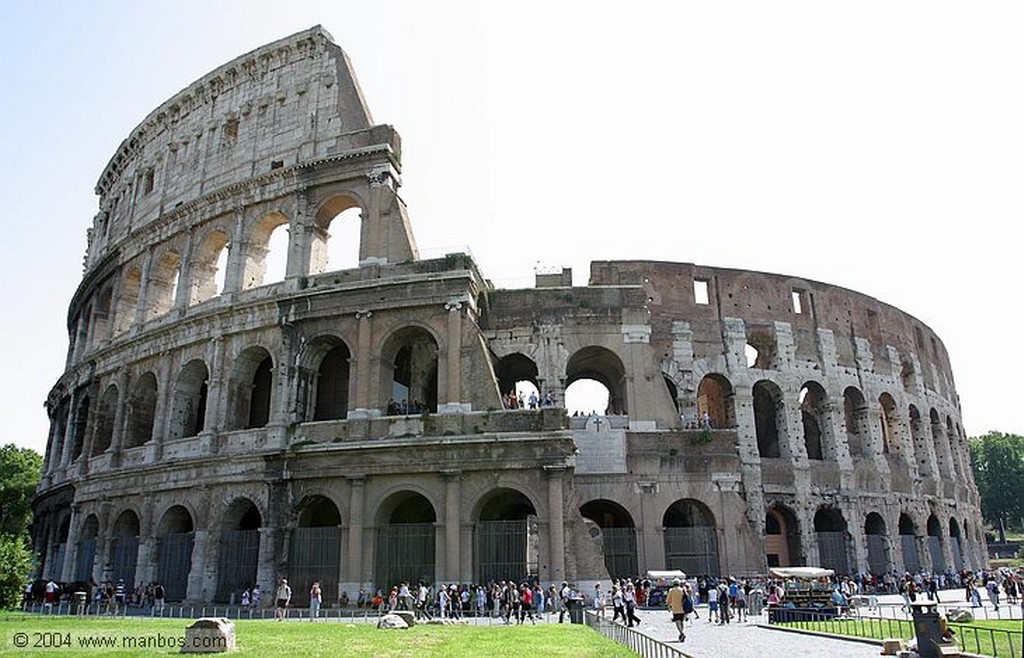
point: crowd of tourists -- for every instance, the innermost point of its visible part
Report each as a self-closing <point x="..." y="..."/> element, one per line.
<point x="512" y="400"/>
<point x="722" y="599"/>
<point x="109" y="597"/>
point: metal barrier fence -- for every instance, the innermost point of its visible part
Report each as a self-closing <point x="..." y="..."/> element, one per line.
<point x="995" y="642"/>
<point x="642" y="644"/>
<point x="236" y="612"/>
<point x="1005" y="612"/>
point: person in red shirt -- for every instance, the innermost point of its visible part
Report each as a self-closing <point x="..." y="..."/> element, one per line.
<point x="526" y="603"/>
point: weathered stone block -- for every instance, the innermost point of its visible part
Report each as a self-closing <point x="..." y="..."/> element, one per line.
<point x="209" y="635"/>
<point x="391" y="620"/>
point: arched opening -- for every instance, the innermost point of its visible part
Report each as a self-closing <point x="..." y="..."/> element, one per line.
<point x="127" y="301"/>
<point x="125" y="548"/>
<point x="55" y="567"/>
<point x="411" y="381"/>
<point x="81" y="423"/>
<point x="782" y="537"/>
<point x="908" y="544"/>
<point x="833" y="551"/>
<point x="922" y="451"/>
<point x="856" y="413"/>
<point x="618" y="536"/>
<point x="604" y="367"/>
<point x="940" y="446"/>
<point x="101" y="316"/>
<point x="955" y="544"/>
<point x="673" y="391"/>
<point x="266" y="254"/>
<point x="315" y="549"/>
<point x="337" y="236"/>
<point x="239" y="550"/>
<point x="769" y="418"/>
<point x="343" y="243"/>
<point x="691" y="539"/>
<point x="893" y="427"/>
<point x="188" y="412"/>
<point x="81" y="335"/>
<point x="878" y="547"/>
<point x="174" y="542"/>
<point x="506" y="542"/>
<point x="517" y="375"/>
<point x="956" y="465"/>
<point x="716" y="405"/>
<point x="760" y="349"/>
<point x="143" y="411"/>
<point x="969" y="556"/>
<point x="588" y="397"/>
<point x="209" y="267"/>
<point x="814" y="416"/>
<point x="251" y="389"/>
<point x="332" y="384"/>
<point x="405" y="540"/>
<point x="935" y="544"/>
<point x="105" y="415"/>
<point x="163" y="284"/>
<point x="85" y="557"/>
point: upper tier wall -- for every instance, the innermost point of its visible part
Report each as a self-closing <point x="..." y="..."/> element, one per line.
<point x="760" y="299"/>
<point x="294" y="100"/>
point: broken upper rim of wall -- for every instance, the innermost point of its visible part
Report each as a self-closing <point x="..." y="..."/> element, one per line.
<point x="265" y="68"/>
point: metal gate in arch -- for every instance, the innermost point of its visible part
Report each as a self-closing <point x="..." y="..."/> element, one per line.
<point x="405" y="553"/>
<point x="505" y="550"/>
<point x="693" y="550"/>
<point x="173" y="563"/>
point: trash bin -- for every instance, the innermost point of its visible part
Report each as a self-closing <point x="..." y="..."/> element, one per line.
<point x="927" y="628"/>
<point x="575" y="610"/>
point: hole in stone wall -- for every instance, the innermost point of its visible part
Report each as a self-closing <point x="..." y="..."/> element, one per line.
<point x="587" y="396"/>
<point x="277" y="255"/>
<point x="700" y="291"/>
<point x="343" y="243"/>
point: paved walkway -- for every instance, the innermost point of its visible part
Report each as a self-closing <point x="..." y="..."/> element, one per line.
<point x="747" y="640"/>
<point x="752" y="640"/>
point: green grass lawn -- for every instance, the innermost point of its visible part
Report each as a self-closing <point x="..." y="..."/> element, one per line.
<point x="143" y="637"/>
<point x="986" y="637"/>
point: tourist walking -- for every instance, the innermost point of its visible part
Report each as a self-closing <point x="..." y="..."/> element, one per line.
<point x="629" y="599"/>
<point x="284" y="597"/>
<point x="315" y="598"/>
<point x="675" y="601"/>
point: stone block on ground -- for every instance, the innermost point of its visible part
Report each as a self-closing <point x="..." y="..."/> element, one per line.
<point x="959" y="616"/>
<point x="407" y="615"/>
<point x="209" y="635"/>
<point x="391" y="620"/>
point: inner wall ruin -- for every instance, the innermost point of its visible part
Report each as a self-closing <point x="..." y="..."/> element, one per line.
<point x="215" y="429"/>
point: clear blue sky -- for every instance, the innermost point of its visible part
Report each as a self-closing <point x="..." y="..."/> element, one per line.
<point x="874" y="145"/>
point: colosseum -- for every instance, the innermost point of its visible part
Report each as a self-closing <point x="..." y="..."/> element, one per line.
<point x="215" y="428"/>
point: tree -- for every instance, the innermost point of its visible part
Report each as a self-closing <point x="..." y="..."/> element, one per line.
<point x="16" y="564"/>
<point x="997" y="460"/>
<point x="20" y="470"/>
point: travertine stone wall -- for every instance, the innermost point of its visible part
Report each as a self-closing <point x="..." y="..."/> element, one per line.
<point x="207" y="410"/>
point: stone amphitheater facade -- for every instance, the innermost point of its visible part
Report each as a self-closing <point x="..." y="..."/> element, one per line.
<point x="213" y="430"/>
